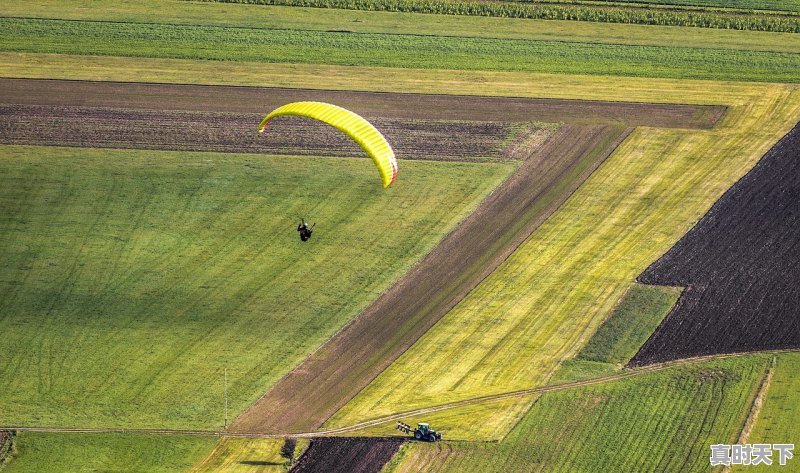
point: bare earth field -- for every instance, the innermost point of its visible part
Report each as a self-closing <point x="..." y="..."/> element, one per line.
<point x="260" y="101"/>
<point x="347" y="455"/>
<point x="122" y="114"/>
<point x="741" y="267"/>
<point x="103" y="127"/>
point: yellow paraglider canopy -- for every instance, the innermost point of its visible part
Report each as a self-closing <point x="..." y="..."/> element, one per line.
<point x="360" y="130"/>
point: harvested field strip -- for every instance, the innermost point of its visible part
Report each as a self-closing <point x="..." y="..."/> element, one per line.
<point x="386" y="105"/>
<point x="631" y="323"/>
<point x="235" y="133"/>
<point x="576" y="266"/>
<point x="661" y="421"/>
<point x="277" y="17"/>
<point x="347" y="455"/>
<point x="741" y="264"/>
<point x="330" y="377"/>
<point x="217" y="43"/>
<point x="132" y="279"/>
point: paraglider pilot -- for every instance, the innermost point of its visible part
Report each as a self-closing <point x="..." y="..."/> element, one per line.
<point x="305" y="230"/>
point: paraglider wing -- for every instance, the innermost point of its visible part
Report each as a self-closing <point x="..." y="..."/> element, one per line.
<point x="360" y="130"/>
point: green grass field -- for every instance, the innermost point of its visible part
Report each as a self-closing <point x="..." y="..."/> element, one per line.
<point x="390" y="50"/>
<point x="662" y="421"/>
<point x="277" y="17"/>
<point x="133" y="279"/>
<point x="128" y="453"/>
<point x="577" y="265"/>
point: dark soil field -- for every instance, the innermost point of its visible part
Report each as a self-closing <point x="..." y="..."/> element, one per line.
<point x="260" y="101"/>
<point x="347" y="455"/>
<point x="741" y="267"/>
<point x="104" y="127"/>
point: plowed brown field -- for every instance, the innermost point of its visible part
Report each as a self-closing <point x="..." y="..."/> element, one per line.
<point x="106" y="127"/>
<point x="741" y="267"/>
<point x="347" y="455"/>
<point x="386" y="105"/>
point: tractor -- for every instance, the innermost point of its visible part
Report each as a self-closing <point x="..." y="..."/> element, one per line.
<point x="422" y="432"/>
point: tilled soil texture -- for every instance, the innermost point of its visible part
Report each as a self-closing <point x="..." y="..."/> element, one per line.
<point x="741" y="267"/>
<point x="329" y="378"/>
<point x="260" y="101"/>
<point x="347" y="455"/>
<point x="104" y="127"/>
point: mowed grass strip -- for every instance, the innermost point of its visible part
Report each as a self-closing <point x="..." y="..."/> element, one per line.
<point x="128" y="453"/>
<point x="291" y="18"/>
<point x="390" y="50"/>
<point x="133" y="279"/>
<point x="662" y="421"/>
<point x="544" y="303"/>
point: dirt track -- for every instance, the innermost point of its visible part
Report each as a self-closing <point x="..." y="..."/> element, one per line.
<point x="741" y="266"/>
